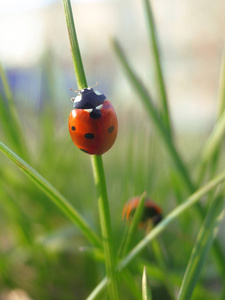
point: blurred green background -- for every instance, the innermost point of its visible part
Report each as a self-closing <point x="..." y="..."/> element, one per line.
<point x="43" y="256"/>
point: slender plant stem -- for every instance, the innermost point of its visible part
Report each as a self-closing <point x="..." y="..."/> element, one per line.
<point x="164" y="111"/>
<point x="97" y="164"/>
<point x="75" y="50"/>
<point x="100" y="184"/>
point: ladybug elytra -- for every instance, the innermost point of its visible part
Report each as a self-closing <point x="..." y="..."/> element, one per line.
<point x="151" y="212"/>
<point x="93" y="122"/>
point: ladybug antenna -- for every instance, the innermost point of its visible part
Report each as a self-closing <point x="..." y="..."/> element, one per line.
<point x="90" y="87"/>
<point x="76" y="91"/>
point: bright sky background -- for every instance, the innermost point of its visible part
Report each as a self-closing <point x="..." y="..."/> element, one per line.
<point x="12" y="6"/>
<point x="22" y="30"/>
<point x="15" y="6"/>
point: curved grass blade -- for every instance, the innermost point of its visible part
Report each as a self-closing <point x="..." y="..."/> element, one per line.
<point x="151" y="110"/>
<point x="202" y="246"/>
<point x="191" y="200"/>
<point x="53" y="194"/>
<point x="10" y="119"/>
<point x="168" y="143"/>
<point x="146" y="293"/>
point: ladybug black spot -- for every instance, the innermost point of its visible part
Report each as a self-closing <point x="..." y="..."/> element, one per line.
<point x="96" y="114"/>
<point x="73" y="128"/>
<point x="89" y="136"/>
<point x="110" y="129"/>
<point x="84" y="150"/>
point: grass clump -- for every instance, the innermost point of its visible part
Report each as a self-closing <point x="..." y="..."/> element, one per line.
<point x="60" y="252"/>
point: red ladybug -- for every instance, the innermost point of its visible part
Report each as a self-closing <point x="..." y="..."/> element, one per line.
<point x="93" y="123"/>
<point x="152" y="212"/>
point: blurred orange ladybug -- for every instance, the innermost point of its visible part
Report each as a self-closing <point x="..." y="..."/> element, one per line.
<point x="93" y="122"/>
<point x="151" y="212"/>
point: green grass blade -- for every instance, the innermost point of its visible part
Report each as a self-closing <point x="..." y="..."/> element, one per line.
<point x="128" y="281"/>
<point x="212" y="145"/>
<point x="168" y="143"/>
<point x="221" y="105"/>
<point x="97" y="164"/>
<point x="6" y="88"/>
<point x="53" y="194"/>
<point x="201" y="249"/>
<point x="99" y="288"/>
<point x="161" y="130"/>
<point x="146" y="293"/>
<point x="160" y="259"/>
<point x="191" y="200"/>
<point x="105" y="222"/>
<point x="75" y="50"/>
<point x="163" y="103"/>
<point x="10" y="119"/>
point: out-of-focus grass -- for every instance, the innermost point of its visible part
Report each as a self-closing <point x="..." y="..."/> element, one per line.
<point x="136" y="163"/>
<point x="43" y="254"/>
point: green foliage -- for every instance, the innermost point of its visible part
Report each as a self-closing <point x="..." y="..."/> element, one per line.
<point x="146" y="294"/>
<point x="52" y="252"/>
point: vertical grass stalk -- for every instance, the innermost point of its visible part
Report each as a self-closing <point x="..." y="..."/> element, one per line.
<point x="75" y="50"/>
<point x="103" y="205"/>
<point x="97" y="164"/>
<point x="164" y="111"/>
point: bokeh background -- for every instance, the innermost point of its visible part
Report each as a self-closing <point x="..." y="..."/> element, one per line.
<point x="35" y="53"/>
<point x="191" y="39"/>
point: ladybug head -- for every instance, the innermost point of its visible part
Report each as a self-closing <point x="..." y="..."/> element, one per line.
<point x="88" y="98"/>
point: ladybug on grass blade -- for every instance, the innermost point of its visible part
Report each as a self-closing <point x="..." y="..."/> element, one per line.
<point x="151" y="213"/>
<point x="93" y="123"/>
